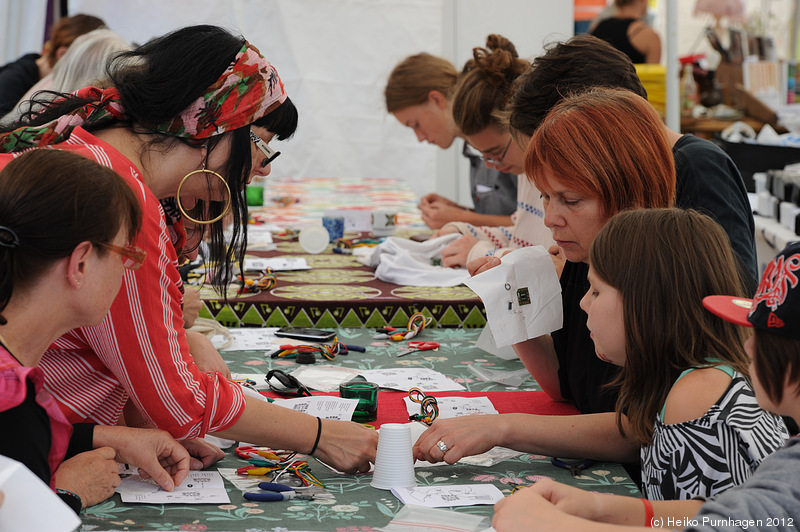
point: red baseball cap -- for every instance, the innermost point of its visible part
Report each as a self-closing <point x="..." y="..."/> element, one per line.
<point x="776" y="305"/>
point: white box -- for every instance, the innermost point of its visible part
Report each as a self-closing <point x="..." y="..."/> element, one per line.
<point x="30" y="504"/>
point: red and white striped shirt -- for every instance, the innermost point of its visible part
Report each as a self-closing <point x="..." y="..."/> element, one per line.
<point x="139" y="351"/>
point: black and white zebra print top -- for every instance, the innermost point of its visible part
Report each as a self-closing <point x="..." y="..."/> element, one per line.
<point x="708" y="455"/>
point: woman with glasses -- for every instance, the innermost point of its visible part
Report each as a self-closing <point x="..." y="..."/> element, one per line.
<point x="419" y="94"/>
<point x="177" y="122"/>
<point x="484" y="88"/>
<point x="65" y="223"/>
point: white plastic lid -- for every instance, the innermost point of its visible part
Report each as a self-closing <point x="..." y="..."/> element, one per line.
<point x="314" y="239"/>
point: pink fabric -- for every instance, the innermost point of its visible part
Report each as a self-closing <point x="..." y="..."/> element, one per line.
<point x="13" y="390"/>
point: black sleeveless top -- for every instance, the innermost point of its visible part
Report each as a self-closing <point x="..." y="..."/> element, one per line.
<point x="615" y="32"/>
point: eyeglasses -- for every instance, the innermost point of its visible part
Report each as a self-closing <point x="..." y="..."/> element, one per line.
<point x="264" y="147"/>
<point x="499" y="161"/>
<point x="132" y="257"/>
<point x="288" y="385"/>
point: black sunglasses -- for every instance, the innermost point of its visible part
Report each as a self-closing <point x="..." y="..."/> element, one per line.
<point x="284" y="384"/>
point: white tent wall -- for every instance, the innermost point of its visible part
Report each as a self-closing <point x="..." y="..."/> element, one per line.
<point x="334" y="57"/>
<point x="21" y="28"/>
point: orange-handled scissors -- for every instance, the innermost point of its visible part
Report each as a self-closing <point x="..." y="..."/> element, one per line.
<point x="417" y="345"/>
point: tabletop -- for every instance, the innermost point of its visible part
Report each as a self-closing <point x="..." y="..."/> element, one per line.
<point x="338" y="291"/>
<point x="356" y="506"/>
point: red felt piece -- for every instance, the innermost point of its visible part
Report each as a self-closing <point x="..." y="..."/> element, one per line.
<point x="392" y="408"/>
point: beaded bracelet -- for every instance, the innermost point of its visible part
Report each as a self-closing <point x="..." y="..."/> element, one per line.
<point x="74" y="496"/>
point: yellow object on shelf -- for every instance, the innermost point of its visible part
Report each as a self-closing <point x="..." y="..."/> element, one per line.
<point x="654" y="79"/>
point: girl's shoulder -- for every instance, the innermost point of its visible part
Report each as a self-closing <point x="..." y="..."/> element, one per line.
<point x="694" y="394"/>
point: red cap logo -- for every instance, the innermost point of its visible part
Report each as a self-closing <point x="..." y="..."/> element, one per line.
<point x="778" y="279"/>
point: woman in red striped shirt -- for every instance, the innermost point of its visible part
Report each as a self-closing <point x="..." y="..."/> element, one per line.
<point x="186" y="121"/>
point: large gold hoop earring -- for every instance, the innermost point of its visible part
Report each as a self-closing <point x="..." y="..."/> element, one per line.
<point x="180" y="205"/>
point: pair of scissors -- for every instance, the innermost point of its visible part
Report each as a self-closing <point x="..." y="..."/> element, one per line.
<point x="575" y="468"/>
<point x="417" y="345"/>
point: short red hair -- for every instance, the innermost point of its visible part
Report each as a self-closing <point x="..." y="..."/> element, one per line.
<point x="607" y="144"/>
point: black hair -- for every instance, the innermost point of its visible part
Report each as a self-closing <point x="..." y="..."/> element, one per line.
<point x="51" y="201"/>
<point x="157" y="82"/>
<point x="568" y="67"/>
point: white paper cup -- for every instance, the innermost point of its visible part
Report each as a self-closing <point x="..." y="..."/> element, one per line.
<point x="314" y="239"/>
<point x="383" y="222"/>
<point x="394" y="461"/>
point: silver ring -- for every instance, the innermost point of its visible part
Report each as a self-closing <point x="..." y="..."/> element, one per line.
<point x="442" y="446"/>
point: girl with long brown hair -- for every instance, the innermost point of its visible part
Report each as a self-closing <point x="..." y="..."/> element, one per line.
<point x="684" y="392"/>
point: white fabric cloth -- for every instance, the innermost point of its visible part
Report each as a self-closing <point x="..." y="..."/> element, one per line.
<point x="402" y="261"/>
<point x="522" y="296"/>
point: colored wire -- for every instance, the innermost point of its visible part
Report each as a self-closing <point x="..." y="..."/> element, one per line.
<point x="343" y="243"/>
<point x="267" y="280"/>
<point x="327" y="351"/>
<point x="428" y="406"/>
<point x="288" y="462"/>
<point x="416" y="324"/>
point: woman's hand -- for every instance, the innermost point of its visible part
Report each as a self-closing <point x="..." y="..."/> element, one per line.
<point x="347" y="446"/>
<point x="455" y="255"/>
<point x="463" y="436"/>
<point x="92" y="475"/>
<point x="191" y="305"/>
<point x="153" y="451"/>
<point x="431" y="198"/>
<point x="435" y="215"/>
<point x="482" y="264"/>
<point x="559" y="260"/>
<point x="203" y="454"/>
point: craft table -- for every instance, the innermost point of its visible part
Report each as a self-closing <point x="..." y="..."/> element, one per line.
<point x="357" y="506"/>
<point x="339" y="291"/>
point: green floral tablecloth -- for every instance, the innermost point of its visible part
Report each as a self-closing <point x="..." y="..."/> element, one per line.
<point x="356" y="506"/>
<point x="456" y="354"/>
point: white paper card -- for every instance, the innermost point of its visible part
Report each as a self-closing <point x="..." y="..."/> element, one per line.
<point x="279" y="264"/>
<point x="412" y="518"/>
<point x="200" y="487"/>
<point x="354" y="220"/>
<point x="29" y="503"/>
<point x="251" y="339"/>
<point x="321" y="406"/>
<point x="447" y="496"/>
<point x="522" y="296"/>
<point x="259" y="238"/>
<point x="403" y="379"/>
<point x="456" y="406"/>
<point x="324" y="378"/>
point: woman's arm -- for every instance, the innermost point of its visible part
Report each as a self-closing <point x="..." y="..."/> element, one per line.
<point x="345" y="445"/>
<point x="593" y="436"/>
<point x="539" y="357"/>
<point x="646" y="40"/>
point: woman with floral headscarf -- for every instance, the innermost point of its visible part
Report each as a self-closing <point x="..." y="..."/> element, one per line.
<point x="186" y="121"/>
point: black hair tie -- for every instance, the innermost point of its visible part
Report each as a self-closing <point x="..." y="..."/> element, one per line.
<point x="12" y="241"/>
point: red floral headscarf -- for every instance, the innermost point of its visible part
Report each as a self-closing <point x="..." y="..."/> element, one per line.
<point x="249" y="89"/>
